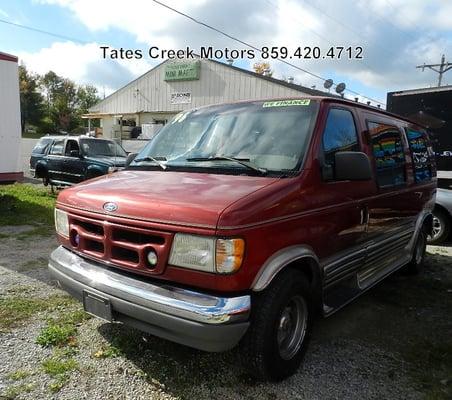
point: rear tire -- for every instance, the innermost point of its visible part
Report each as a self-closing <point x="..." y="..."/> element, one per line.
<point x="281" y="324"/>
<point x="441" y="227"/>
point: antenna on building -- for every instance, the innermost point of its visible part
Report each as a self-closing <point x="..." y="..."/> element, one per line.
<point x="290" y="79"/>
<point x="230" y="61"/>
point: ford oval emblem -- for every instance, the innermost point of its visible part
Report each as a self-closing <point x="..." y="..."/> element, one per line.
<point x="110" y="207"/>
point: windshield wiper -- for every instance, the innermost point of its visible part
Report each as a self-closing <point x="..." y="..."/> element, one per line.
<point x="157" y="160"/>
<point x="242" y="161"/>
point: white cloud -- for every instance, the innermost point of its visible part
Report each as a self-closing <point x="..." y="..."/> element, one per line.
<point x="83" y="63"/>
<point x="3" y="13"/>
<point x="396" y="35"/>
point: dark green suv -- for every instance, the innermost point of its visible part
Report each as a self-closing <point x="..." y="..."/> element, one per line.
<point x="66" y="160"/>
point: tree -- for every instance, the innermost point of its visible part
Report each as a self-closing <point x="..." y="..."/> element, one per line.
<point x="31" y="100"/>
<point x="53" y="103"/>
<point x="61" y="97"/>
<point x="263" y="68"/>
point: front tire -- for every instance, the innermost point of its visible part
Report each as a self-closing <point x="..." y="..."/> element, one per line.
<point x="281" y="324"/>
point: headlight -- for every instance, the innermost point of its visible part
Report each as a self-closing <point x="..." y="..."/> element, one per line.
<point x="208" y="254"/>
<point x="112" y="169"/>
<point x="61" y="222"/>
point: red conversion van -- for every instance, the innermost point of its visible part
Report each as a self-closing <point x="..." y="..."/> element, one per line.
<point x="238" y="223"/>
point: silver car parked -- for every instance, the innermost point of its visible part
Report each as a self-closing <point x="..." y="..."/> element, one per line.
<point x="442" y="217"/>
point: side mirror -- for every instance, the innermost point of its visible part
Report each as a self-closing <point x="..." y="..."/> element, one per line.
<point x="130" y="158"/>
<point x="74" y="153"/>
<point x="352" y="166"/>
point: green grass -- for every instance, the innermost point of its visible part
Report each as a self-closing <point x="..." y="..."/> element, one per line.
<point x="61" y="330"/>
<point x="17" y="309"/>
<point x="16" y="390"/>
<point x="59" y="367"/>
<point x="24" y="204"/>
<point x="56" y="335"/>
<point x="56" y="365"/>
<point x="18" y="375"/>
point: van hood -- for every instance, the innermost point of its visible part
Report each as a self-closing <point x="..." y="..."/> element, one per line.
<point x="177" y="198"/>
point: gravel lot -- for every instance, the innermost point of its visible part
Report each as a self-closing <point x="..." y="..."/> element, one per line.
<point x="392" y="343"/>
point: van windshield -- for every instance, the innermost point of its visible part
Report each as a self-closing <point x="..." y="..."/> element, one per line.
<point x="268" y="136"/>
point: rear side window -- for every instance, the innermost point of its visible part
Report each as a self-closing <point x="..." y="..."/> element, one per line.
<point x="57" y="148"/>
<point x="339" y="135"/>
<point x="419" y="149"/>
<point x="42" y="146"/>
<point x="387" y="147"/>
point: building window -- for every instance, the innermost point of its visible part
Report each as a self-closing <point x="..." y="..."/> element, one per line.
<point x="339" y="135"/>
<point x="388" y="152"/>
<point x="419" y="148"/>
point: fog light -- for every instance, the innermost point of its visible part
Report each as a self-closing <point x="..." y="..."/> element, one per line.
<point x="75" y="238"/>
<point x="152" y="258"/>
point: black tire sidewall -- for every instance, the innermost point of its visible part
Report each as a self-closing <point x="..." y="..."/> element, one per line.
<point x="267" y="315"/>
<point x="279" y="365"/>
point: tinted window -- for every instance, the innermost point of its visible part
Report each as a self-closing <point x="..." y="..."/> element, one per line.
<point x="71" y="145"/>
<point x="388" y="153"/>
<point x="42" y="146"/>
<point x="57" y="148"/>
<point x="420" y="154"/>
<point x="107" y="148"/>
<point x="339" y="135"/>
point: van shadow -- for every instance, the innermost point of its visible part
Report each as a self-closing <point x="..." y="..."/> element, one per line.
<point x="387" y="318"/>
<point x="177" y="369"/>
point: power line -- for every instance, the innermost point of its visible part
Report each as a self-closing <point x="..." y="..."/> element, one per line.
<point x="329" y="42"/>
<point x="443" y="68"/>
<point x="254" y="47"/>
<point x="30" y="28"/>
<point x="347" y="27"/>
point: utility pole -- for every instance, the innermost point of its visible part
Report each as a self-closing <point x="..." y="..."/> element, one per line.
<point x="443" y="68"/>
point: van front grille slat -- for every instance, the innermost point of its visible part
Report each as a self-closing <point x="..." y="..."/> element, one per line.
<point x="125" y="246"/>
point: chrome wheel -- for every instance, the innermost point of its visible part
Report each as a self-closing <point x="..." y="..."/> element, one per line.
<point x="436" y="229"/>
<point x="292" y="327"/>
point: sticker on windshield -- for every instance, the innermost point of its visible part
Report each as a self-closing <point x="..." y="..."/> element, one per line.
<point x="284" y="103"/>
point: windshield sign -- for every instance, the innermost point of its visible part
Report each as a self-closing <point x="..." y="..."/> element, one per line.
<point x="256" y="138"/>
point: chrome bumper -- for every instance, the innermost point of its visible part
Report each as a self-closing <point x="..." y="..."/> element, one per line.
<point x="185" y="316"/>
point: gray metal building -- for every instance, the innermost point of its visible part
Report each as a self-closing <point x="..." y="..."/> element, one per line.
<point x="173" y="86"/>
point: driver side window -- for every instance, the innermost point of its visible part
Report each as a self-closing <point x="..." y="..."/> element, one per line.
<point x="71" y="145"/>
<point x="339" y="135"/>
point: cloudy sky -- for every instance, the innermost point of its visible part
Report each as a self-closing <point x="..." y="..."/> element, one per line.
<point x="396" y="35"/>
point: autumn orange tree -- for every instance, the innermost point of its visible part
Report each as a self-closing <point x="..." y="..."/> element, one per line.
<point x="263" y="68"/>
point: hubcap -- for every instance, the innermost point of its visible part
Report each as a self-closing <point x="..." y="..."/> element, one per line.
<point x="292" y="326"/>
<point x="436" y="229"/>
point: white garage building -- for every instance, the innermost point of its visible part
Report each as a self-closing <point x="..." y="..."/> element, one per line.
<point x="10" y="130"/>
<point x="173" y="86"/>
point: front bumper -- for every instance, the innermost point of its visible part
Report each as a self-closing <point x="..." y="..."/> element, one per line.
<point x="184" y="316"/>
